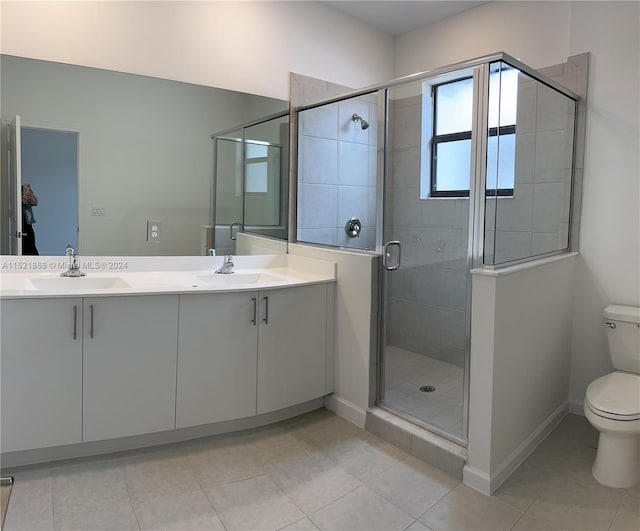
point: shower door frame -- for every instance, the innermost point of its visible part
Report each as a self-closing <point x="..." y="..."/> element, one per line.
<point x="475" y="233"/>
<point x="477" y="200"/>
<point x="477" y="196"/>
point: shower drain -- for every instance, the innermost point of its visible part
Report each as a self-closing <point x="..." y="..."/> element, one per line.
<point x="427" y="389"/>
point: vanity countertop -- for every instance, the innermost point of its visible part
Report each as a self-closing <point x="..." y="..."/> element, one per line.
<point x="39" y="277"/>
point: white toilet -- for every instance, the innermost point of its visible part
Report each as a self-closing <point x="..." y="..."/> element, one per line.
<point x="612" y="403"/>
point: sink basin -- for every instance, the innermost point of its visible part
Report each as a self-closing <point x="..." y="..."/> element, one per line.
<point x="74" y="283"/>
<point x="237" y="279"/>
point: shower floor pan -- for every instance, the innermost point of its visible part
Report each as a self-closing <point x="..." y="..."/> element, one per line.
<point x="428" y="389"/>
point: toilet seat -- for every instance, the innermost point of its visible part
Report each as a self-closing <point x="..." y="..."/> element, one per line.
<point x="615" y="396"/>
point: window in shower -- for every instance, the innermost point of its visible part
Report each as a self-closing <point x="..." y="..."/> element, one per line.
<point x="450" y="144"/>
<point x="257" y="168"/>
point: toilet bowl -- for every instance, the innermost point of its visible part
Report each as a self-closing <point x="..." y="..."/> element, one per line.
<point x="612" y="402"/>
<point x="612" y="410"/>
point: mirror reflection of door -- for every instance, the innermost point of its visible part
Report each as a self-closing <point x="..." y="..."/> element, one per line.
<point x="49" y="163"/>
<point x="13" y="242"/>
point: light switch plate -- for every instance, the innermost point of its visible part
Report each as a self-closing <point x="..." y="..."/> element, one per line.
<point x="153" y="231"/>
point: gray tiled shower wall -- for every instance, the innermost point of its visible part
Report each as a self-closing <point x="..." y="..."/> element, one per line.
<point x="427" y="295"/>
<point x="337" y="173"/>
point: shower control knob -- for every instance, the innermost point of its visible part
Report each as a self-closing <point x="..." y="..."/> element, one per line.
<point x="353" y="227"/>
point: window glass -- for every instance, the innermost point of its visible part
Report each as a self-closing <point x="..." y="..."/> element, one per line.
<point x="503" y="97"/>
<point x="256" y="151"/>
<point x="454" y="106"/>
<point x="501" y="161"/>
<point x="257" y="177"/>
<point x="454" y="165"/>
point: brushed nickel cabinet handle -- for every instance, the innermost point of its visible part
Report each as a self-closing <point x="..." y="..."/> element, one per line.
<point x="91" y="321"/>
<point x="266" y="310"/>
<point x="254" y="320"/>
<point x="75" y="321"/>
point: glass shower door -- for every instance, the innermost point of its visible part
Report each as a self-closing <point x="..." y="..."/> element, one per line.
<point x="426" y="272"/>
<point x="228" y="191"/>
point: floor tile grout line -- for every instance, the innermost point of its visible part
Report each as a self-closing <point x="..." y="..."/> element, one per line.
<point x="421" y="514"/>
<point x="388" y="500"/>
<point x="310" y="515"/>
<point x="206" y="495"/>
<point x="273" y="480"/>
<point x="297" y="521"/>
<point x="53" y="510"/>
<point x="329" y="503"/>
<point x="438" y="501"/>
<point x="126" y="486"/>
<point x="618" y="509"/>
<point x="518" y="521"/>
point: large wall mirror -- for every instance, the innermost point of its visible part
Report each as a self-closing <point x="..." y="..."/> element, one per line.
<point x="106" y="153"/>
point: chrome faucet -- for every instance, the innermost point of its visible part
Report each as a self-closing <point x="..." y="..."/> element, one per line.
<point x="227" y="266"/>
<point x="74" y="267"/>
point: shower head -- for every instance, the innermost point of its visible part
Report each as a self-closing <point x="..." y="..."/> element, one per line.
<point x="363" y="123"/>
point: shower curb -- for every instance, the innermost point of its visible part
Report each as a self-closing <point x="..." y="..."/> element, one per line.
<point x="426" y="446"/>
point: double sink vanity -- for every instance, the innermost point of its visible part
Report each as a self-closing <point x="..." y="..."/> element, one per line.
<point x="157" y="345"/>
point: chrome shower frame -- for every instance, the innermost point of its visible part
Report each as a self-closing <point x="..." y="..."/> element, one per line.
<point x="480" y="67"/>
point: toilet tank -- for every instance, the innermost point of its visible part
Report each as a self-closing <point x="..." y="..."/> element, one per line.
<point x="623" y="335"/>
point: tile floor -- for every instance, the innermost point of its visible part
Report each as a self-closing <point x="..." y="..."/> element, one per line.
<point x="406" y="372"/>
<point x="316" y="471"/>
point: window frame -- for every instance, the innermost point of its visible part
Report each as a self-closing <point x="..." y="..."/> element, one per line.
<point x="452" y="137"/>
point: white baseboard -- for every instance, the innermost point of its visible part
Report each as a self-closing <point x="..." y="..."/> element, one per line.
<point x="576" y="407"/>
<point x="513" y="461"/>
<point x="345" y="409"/>
<point x="488" y="483"/>
<point x="476" y="479"/>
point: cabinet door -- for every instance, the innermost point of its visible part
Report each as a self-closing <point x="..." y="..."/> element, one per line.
<point x="129" y="366"/>
<point x="41" y="368"/>
<point x="217" y="352"/>
<point x="292" y="346"/>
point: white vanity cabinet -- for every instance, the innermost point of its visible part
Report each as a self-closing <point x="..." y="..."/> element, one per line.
<point x="129" y="365"/>
<point x="217" y="358"/>
<point x="292" y="346"/>
<point x="41" y="366"/>
<point x="110" y="366"/>
<point x="250" y="352"/>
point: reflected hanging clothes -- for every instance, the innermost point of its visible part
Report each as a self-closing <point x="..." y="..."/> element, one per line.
<point x="28" y="235"/>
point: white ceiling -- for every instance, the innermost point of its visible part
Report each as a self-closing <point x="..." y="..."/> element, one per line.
<point x="397" y="17"/>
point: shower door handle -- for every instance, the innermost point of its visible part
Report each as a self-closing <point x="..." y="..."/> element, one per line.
<point x="388" y="261"/>
<point x="233" y="235"/>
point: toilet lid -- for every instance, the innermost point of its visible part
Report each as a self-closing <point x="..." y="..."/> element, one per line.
<point x="616" y="395"/>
